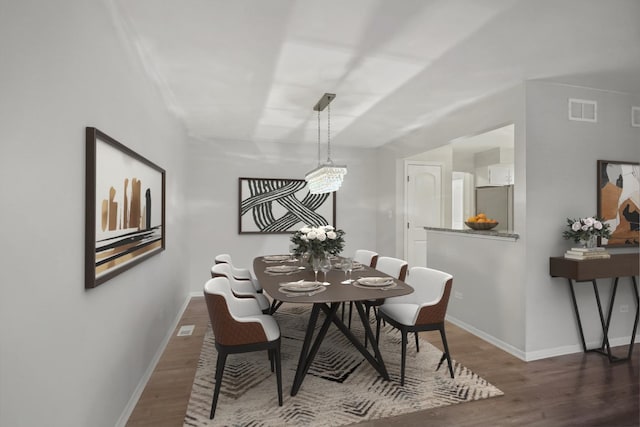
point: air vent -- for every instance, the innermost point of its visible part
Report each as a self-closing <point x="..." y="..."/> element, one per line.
<point x="635" y="117"/>
<point x="186" y="330"/>
<point x="583" y="110"/>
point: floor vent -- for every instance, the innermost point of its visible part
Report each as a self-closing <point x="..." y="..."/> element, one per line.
<point x="583" y="110"/>
<point x="635" y="117"/>
<point x="186" y="330"/>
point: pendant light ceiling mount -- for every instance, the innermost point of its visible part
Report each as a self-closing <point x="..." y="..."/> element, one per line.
<point x="324" y="101"/>
<point x="327" y="177"/>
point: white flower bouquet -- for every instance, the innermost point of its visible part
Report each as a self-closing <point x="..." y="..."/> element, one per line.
<point x="318" y="240"/>
<point x="584" y="229"/>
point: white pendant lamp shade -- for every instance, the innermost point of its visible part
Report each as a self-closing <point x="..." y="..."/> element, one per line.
<point x="327" y="177"/>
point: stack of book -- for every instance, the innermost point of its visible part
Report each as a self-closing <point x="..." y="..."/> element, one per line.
<point x="587" y="253"/>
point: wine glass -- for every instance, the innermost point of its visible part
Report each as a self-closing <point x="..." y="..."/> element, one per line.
<point x="292" y="251"/>
<point x="347" y="266"/>
<point x="303" y="261"/>
<point x="325" y="267"/>
<point x="315" y="264"/>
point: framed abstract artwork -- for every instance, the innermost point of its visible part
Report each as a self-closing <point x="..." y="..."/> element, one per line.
<point x="619" y="201"/>
<point x="125" y="208"/>
<point x="274" y="205"/>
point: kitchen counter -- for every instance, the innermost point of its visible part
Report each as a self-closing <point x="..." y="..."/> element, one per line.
<point x="477" y="233"/>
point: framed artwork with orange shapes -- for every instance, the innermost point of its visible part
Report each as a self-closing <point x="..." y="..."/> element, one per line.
<point x="125" y="208"/>
<point x="619" y="201"/>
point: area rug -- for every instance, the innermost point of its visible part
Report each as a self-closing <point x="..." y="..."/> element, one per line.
<point x="340" y="388"/>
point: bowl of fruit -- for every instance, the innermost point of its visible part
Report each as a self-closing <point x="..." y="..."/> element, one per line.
<point x="481" y="222"/>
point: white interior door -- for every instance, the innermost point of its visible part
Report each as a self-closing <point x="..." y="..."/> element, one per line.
<point x="423" y="208"/>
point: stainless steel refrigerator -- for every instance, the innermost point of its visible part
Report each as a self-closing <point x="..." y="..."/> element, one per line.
<point x="497" y="203"/>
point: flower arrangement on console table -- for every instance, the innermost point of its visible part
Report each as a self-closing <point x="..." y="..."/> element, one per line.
<point x="318" y="241"/>
<point x="586" y="231"/>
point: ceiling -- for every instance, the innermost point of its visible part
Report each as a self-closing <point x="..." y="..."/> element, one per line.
<point x="252" y="70"/>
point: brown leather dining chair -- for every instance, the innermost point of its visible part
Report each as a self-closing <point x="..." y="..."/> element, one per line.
<point x="423" y="310"/>
<point x="239" y="327"/>
<point x="394" y="267"/>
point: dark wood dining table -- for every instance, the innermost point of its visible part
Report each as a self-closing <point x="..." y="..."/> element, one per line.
<point x="328" y="301"/>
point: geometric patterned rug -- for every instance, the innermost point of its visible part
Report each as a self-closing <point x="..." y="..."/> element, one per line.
<point x="340" y="388"/>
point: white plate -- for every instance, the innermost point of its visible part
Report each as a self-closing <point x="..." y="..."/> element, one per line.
<point x="276" y="257"/>
<point x="375" y="282"/>
<point x="301" y="286"/>
<point x="282" y="268"/>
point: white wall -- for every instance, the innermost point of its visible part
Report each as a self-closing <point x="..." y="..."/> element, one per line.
<point x="488" y="285"/>
<point x="72" y="357"/>
<point x="214" y="169"/>
<point x="505" y="293"/>
<point x="490" y="274"/>
<point x="561" y="182"/>
<point x="493" y="111"/>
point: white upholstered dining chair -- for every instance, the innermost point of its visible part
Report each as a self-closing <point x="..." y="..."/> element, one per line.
<point x="394" y="267"/>
<point x="238" y="272"/>
<point x="239" y="327"/>
<point x="364" y="257"/>
<point x="240" y="288"/>
<point x="422" y="310"/>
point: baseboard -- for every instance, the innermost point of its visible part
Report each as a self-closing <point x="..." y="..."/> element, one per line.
<point x="122" y="421"/>
<point x="530" y="356"/>
<point x="489" y="338"/>
<point x="577" y="348"/>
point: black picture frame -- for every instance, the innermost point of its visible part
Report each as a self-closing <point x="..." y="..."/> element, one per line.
<point x="281" y="205"/>
<point x="618" y="193"/>
<point x="125" y="208"/>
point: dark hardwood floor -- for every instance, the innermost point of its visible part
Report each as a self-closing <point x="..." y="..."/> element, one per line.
<point x="574" y="390"/>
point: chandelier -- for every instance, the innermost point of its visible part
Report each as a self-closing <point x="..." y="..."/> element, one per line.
<point x="327" y="177"/>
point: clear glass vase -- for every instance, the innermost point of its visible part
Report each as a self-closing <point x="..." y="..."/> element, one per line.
<point x="590" y="242"/>
<point x="311" y="255"/>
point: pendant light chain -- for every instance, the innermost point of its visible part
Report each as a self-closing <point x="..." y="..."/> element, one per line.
<point x="318" y="137"/>
<point x="329" y="133"/>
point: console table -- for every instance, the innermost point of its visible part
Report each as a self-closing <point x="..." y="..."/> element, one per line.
<point x="576" y="271"/>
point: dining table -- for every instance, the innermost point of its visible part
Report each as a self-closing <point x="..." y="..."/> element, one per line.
<point x="279" y="276"/>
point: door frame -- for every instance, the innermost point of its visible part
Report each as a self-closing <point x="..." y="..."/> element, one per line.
<point x="405" y="174"/>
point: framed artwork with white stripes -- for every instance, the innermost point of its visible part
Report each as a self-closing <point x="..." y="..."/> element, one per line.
<point x="281" y="205"/>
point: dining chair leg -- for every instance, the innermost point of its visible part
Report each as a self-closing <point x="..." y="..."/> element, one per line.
<point x="276" y="356"/>
<point x="222" y="358"/>
<point x="271" y="361"/>
<point x="417" y="343"/>
<point x="446" y="354"/>
<point x="378" y="329"/>
<point x="275" y="305"/>
<point x="404" y="355"/>
<point x="375" y="313"/>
